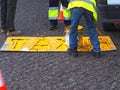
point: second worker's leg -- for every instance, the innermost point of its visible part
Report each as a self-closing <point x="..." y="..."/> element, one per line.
<point x="11" y="6"/>
<point x="66" y="13"/>
<point x="53" y="13"/>
<point x="3" y="15"/>
<point x="11" y="10"/>
<point x="93" y="34"/>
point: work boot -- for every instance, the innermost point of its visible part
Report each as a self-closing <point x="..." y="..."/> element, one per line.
<point x="3" y="31"/>
<point x="52" y="27"/>
<point x="96" y="54"/>
<point x="13" y="33"/>
<point x="73" y="52"/>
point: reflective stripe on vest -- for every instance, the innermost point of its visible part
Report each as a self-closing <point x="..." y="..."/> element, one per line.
<point x="87" y="4"/>
<point x="53" y="13"/>
<point x="66" y="13"/>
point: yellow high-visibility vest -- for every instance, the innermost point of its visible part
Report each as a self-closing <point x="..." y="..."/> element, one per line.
<point x="53" y="13"/>
<point x="86" y="4"/>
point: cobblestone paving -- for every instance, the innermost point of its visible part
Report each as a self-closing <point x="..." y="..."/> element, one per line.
<point x="51" y="70"/>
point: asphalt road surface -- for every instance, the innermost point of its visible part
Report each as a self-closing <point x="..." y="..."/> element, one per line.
<point x="51" y="70"/>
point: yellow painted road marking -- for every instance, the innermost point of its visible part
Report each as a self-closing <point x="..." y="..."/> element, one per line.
<point x="43" y="44"/>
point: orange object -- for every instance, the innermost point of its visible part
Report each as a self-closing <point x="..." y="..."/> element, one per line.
<point x="98" y="31"/>
<point x="2" y="83"/>
<point x="61" y="17"/>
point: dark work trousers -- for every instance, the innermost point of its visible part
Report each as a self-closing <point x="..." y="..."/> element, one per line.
<point x="8" y="9"/>
<point x="55" y="3"/>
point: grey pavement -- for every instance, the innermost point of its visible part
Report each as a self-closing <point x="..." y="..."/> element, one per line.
<point x="51" y="70"/>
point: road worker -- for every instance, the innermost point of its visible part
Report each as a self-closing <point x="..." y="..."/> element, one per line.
<point x="53" y="13"/>
<point x="8" y="10"/>
<point x="86" y="8"/>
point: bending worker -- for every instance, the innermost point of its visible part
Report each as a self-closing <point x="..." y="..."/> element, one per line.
<point x="86" y="8"/>
<point x="53" y="13"/>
